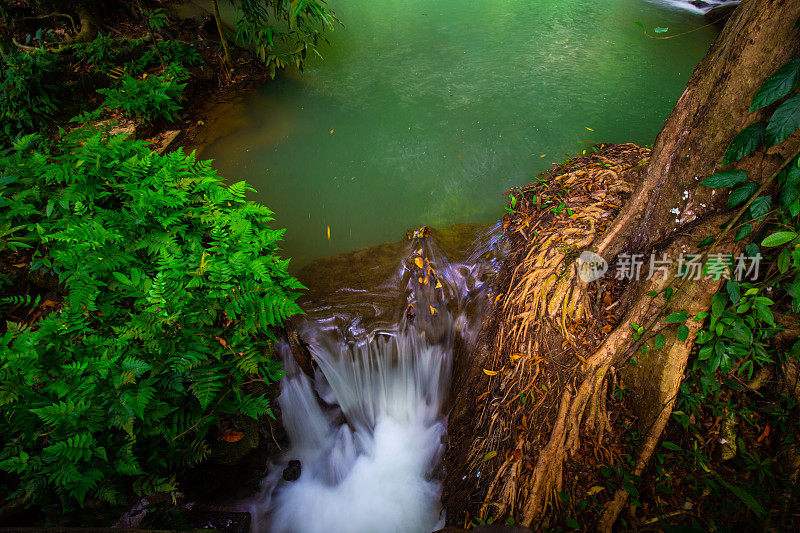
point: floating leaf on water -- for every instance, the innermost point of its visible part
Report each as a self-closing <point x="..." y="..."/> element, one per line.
<point x="489" y="456"/>
<point x="329" y="233"/>
<point x="331" y="132"/>
<point x="588" y="128"/>
<point x="543" y="155"/>
<point x="661" y="30"/>
<point x="491" y="372"/>
<point x="418" y="262"/>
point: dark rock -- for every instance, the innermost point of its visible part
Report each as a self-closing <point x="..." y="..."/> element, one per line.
<point x="700" y="4"/>
<point x="494" y="528"/>
<point x="719" y="15"/>
<point x="292" y="472"/>
<point x="182" y="519"/>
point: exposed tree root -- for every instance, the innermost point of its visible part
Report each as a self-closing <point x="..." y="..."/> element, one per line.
<point x="88" y="28"/>
<point x="548" y="351"/>
<point x="545" y="324"/>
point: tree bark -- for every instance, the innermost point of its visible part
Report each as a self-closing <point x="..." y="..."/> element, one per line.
<point x="88" y="28"/>
<point x="669" y="212"/>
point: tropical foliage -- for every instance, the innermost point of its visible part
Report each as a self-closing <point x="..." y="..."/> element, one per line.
<point x="282" y="32"/>
<point x="171" y="286"/>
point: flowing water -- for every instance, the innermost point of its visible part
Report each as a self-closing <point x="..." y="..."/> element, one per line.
<point x="422" y="113"/>
<point x="368" y="426"/>
<point x="426" y="112"/>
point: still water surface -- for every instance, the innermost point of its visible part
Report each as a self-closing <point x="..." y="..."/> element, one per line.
<point x="427" y="112"/>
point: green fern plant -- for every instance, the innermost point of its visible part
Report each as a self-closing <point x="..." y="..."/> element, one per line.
<point x="172" y="289"/>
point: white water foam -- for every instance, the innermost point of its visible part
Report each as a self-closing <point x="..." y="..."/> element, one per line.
<point x="374" y="473"/>
<point x="368" y="428"/>
<point x="698" y="7"/>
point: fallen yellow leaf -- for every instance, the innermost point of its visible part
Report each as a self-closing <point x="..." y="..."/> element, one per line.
<point x="418" y="262"/>
<point x="433" y="309"/>
<point x="491" y="372"/>
<point x="595" y="490"/>
<point x="490" y="455"/>
<point x="329" y="233"/>
<point x="438" y="284"/>
<point x="420" y="279"/>
<point x="588" y="128"/>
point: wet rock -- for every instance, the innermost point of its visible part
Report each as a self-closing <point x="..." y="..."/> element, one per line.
<point x="300" y="353"/>
<point x="493" y="528"/>
<point x="410" y="314"/>
<point x="234" y="443"/>
<point x="164" y="140"/>
<point x="292" y="472"/>
<point x="185" y="519"/>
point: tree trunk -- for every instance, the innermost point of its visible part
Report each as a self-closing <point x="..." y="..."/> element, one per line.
<point x="88" y="28"/>
<point x="222" y="39"/>
<point x="669" y="212"/>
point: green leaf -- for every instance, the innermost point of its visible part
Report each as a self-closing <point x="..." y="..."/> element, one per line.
<point x="784" y="122"/>
<point x="718" y="302"/>
<point x="784" y="81"/>
<point x="748" y="140"/>
<point x="659" y="341"/>
<point x="744" y="231"/>
<point x="733" y="291"/>
<point x="670" y="446"/>
<point x="778" y="238"/>
<point x="760" y="206"/>
<point x="682" y="333"/>
<point x="794" y="207"/>
<point x="725" y="178"/>
<point x="745" y="496"/>
<point x="741" y="194"/>
<point x="675" y="318"/>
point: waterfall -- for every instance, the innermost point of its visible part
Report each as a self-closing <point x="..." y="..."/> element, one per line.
<point x="368" y="427"/>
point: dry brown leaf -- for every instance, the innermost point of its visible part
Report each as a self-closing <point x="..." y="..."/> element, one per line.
<point x="231" y="435"/>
